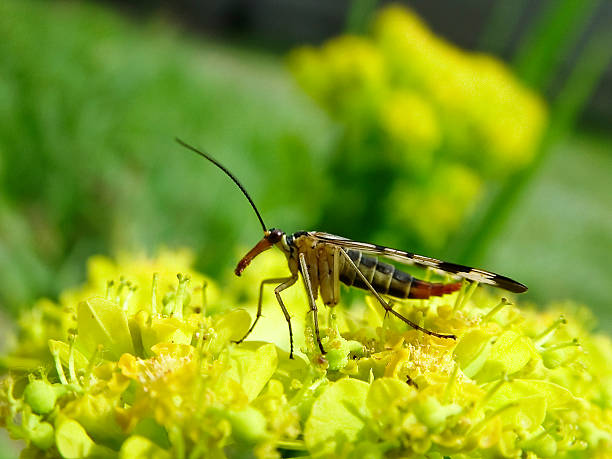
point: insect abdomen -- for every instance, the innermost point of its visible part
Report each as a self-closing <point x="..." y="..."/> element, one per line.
<point x="388" y="280"/>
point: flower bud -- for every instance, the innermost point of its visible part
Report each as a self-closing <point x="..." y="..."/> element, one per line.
<point x="40" y="395"/>
<point x="248" y="425"/>
<point x="43" y="435"/>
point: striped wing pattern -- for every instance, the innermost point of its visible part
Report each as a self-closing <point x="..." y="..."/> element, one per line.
<point x="471" y="274"/>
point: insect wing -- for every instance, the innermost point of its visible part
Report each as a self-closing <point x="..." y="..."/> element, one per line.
<point x="466" y="272"/>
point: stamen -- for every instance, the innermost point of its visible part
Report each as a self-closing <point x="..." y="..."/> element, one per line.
<point x="92" y="363"/>
<point x="204" y="302"/>
<point x="543" y="337"/>
<point x="131" y="290"/>
<point x="109" y="286"/>
<point x="154" y="293"/>
<point x="180" y="295"/>
<point x="58" y="365"/>
<point x="460" y="295"/>
<point x="450" y="384"/>
<point x="332" y="323"/>
<point x="71" y="370"/>
<point x="492" y="391"/>
<point x="10" y="382"/>
<point x="558" y="346"/>
<point x="291" y="445"/>
<point x="491" y="416"/>
<point x="200" y="339"/>
<point x="119" y="289"/>
<point x="503" y="303"/>
<point x="468" y="294"/>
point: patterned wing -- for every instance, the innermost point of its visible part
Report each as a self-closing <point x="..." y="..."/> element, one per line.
<point x="471" y="274"/>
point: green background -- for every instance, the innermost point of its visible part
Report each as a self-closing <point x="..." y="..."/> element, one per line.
<point x="90" y="103"/>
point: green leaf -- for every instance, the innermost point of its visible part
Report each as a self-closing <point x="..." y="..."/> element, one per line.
<point x="336" y="416"/>
<point x="96" y="413"/>
<point x="472" y="351"/>
<point x="532" y="400"/>
<point x="72" y="441"/>
<point x="150" y="429"/>
<point x="253" y="368"/>
<point x="542" y="445"/>
<point x="555" y="396"/>
<point x="528" y="414"/>
<point x="232" y="326"/>
<point x="163" y="330"/>
<point x="43" y="436"/>
<point x="100" y="321"/>
<point x="386" y="392"/>
<point x="509" y="354"/>
<point x="248" y="425"/>
<point x="138" y="447"/>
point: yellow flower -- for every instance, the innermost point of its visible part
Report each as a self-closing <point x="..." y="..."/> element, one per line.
<point x="410" y="121"/>
<point x="515" y="382"/>
<point x="347" y="76"/>
<point x="415" y="103"/>
<point x="439" y="206"/>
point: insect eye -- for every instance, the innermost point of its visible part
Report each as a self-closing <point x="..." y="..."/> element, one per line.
<point x="274" y="235"/>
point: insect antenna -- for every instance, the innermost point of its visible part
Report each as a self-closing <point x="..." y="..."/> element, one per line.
<point x="229" y="174"/>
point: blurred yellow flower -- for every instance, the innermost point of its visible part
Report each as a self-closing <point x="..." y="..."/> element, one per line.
<point x="348" y="76"/>
<point x="409" y="121"/>
<point x="410" y="98"/>
<point x="435" y="208"/>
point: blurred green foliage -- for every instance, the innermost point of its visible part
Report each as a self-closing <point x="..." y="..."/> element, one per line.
<point x="89" y="107"/>
<point x="562" y="33"/>
<point x="560" y="234"/>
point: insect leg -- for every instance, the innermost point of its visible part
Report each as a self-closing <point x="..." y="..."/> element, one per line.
<point x="289" y="282"/>
<point x="336" y="275"/>
<point x="259" y="302"/>
<point x="388" y="308"/>
<point x="313" y="305"/>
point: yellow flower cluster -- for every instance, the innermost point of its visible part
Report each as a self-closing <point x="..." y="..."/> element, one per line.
<point x="158" y="374"/>
<point x="427" y="107"/>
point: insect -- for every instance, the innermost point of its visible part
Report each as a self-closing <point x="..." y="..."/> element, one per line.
<point x="324" y="260"/>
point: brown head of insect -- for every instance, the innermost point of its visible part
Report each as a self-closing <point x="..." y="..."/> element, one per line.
<point x="271" y="237"/>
